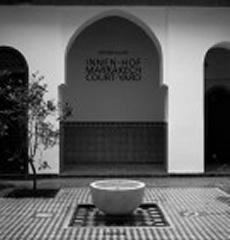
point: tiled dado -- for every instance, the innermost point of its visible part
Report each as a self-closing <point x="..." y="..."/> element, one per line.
<point x="113" y="142"/>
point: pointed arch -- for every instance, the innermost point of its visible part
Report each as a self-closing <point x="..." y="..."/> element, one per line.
<point x="123" y="15"/>
<point x="114" y="75"/>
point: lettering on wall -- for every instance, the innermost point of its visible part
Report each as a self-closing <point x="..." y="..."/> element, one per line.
<point x="113" y="68"/>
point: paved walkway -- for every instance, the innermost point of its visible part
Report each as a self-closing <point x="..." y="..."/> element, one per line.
<point x="196" y="208"/>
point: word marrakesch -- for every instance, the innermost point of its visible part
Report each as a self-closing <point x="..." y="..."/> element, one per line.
<point x="111" y="69"/>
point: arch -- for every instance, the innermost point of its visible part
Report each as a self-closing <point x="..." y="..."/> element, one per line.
<point x="13" y="72"/>
<point x="125" y="15"/>
<point x="13" y="59"/>
<point x="114" y="78"/>
<point x="223" y="44"/>
<point x="216" y="100"/>
<point x="84" y="47"/>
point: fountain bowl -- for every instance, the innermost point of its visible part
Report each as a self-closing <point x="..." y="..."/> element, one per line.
<point x="117" y="196"/>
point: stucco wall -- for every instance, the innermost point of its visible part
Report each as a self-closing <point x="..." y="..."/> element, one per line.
<point x="185" y="34"/>
<point x="191" y="34"/>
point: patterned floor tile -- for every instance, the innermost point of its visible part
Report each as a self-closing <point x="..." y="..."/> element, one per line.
<point x="193" y="213"/>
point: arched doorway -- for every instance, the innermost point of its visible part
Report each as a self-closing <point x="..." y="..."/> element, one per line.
<point x="113" y="83"/>
<point x="217" y="105"/>
<point x="13" y="73"/>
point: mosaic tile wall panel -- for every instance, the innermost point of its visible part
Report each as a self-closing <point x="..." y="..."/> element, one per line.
<point x="113" y="142"/>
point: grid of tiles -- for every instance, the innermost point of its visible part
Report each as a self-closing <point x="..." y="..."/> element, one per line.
<point x="193" y="213"/>
<point x="146" y="215"/>
<point x="113" y="142"/>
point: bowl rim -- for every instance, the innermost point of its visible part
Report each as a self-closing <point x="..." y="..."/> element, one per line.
<point x="98" y="185"/>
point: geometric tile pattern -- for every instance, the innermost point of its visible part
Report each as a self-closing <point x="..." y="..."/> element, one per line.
<point x="146" y="215"/>
<point x="113" y="142"/>
<point x="192" y="213"/>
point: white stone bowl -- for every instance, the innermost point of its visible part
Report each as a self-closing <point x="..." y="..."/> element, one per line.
<point x="117" y="196"/>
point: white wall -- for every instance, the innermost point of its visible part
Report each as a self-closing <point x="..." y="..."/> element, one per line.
<point x="185" y="34"/>
<point x="191" y="33"/>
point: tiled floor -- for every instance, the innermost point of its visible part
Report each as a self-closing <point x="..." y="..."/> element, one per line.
<point x="193" y="213"/>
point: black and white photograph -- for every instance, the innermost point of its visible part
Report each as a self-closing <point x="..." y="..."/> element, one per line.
<point x="114" y="120"/>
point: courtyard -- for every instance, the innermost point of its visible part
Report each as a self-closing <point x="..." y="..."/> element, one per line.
<point x="142" y="89"/>
<point x="189" y="207"/>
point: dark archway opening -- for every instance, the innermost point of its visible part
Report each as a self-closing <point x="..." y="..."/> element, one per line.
<point x="13" y="73"/>
<point x="217" y="110"/>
